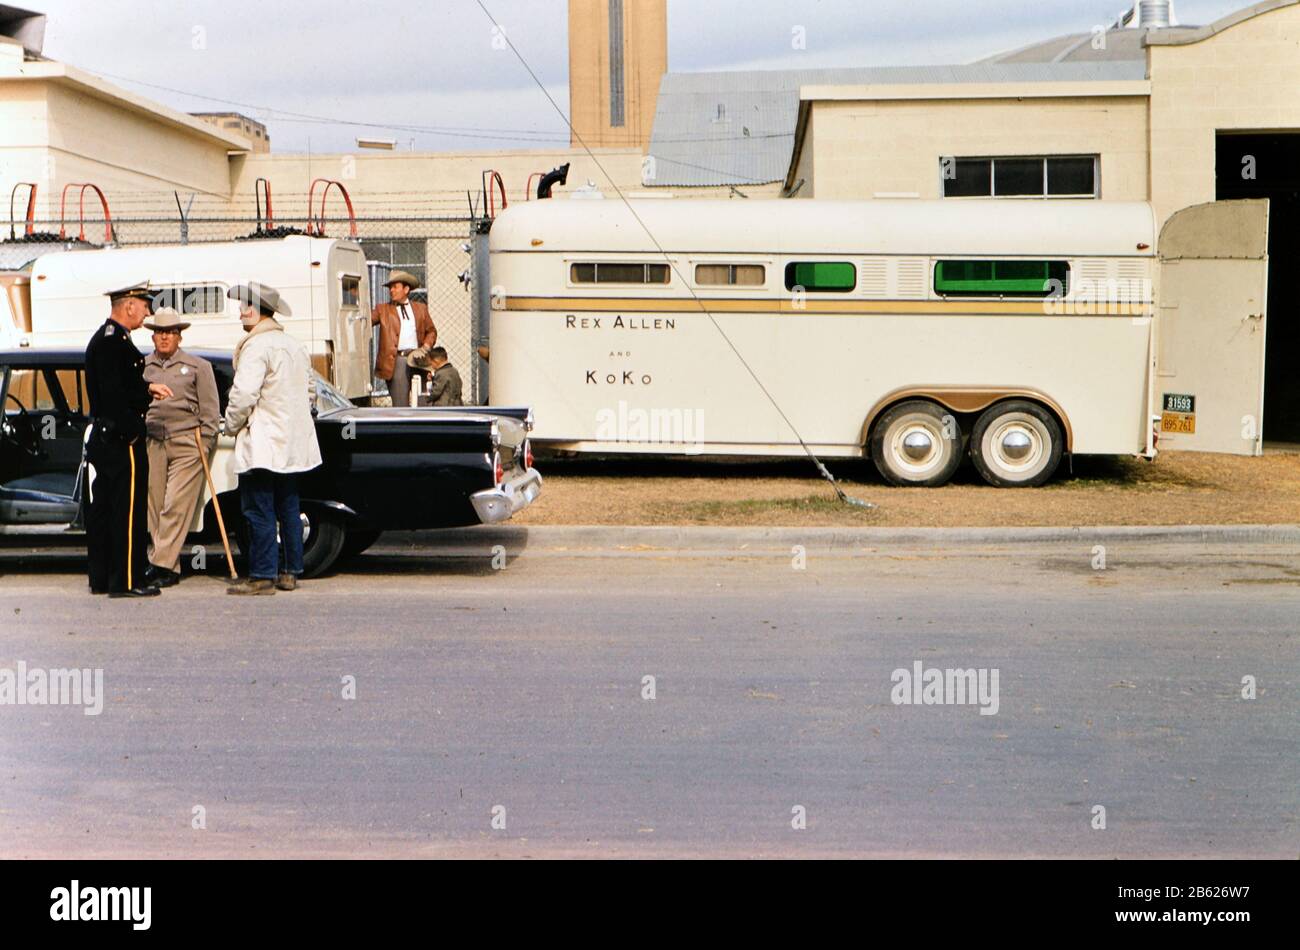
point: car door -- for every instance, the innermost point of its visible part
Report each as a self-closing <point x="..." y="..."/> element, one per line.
<point x="43" y="430"/>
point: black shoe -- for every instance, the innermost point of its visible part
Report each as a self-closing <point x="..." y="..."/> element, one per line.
<point x="144" y="591"/>
<point x="160" y="577"/>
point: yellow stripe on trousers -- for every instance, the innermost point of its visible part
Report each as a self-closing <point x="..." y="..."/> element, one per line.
<point x="130" y="521"/>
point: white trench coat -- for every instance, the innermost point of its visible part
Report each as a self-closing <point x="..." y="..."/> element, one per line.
<point x="269" y="411"/>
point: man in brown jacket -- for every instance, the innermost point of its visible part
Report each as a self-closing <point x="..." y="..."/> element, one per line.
<point x="404" y="327"/>
<point x="179" y="428"/>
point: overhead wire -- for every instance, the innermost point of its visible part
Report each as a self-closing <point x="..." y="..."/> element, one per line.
<point x="272" y="113"/>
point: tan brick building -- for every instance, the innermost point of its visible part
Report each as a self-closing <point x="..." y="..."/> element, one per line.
<point x="618" y="53"/>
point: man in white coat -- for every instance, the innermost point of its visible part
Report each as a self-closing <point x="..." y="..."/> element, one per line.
<point x="269" y="413"/>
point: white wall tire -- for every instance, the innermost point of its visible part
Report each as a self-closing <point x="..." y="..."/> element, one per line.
<point x="916" y="444"/>
<point x="322" y="543"/>
<point x="1016" y="444"/>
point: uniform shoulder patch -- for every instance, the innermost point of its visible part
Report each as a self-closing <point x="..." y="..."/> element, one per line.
<point x="108" y="330"/>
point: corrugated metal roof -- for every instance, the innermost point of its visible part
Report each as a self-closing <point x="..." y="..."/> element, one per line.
<point x="1112" y="46"/>
<point x="737" y="128"/>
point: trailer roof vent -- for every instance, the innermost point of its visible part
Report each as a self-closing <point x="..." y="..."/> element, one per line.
<point x="1151" y="15"/>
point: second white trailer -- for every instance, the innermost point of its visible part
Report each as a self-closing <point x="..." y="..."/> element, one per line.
<point x="323" y="280"/>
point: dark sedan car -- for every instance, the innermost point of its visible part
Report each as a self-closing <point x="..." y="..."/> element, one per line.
<point x="383" y="469"/>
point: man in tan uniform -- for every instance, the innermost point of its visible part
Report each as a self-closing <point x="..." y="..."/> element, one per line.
<point x="175" y="427"/>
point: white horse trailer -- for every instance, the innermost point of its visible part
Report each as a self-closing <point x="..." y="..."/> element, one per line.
<point x="323" y="280"/>
<point x="913" y="332"/>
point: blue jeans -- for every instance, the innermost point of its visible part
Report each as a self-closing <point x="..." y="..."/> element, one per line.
<point x="268" y="498"/>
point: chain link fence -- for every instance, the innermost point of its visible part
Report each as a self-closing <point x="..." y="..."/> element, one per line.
<point x="436" y="250"/>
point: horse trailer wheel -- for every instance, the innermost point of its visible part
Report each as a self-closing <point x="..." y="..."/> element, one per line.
<point x="916" y="444"/>
<point x="1016" y="444"/>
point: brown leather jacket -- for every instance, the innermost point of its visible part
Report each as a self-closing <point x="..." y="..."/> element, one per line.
<point x="390" y="331"/>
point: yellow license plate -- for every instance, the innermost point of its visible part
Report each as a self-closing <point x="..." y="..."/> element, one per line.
<point x="1180" y="422"/>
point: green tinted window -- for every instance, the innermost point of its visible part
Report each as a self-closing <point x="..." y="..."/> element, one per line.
<point x="1001" y="278"/>
<point x="822" y="278"/>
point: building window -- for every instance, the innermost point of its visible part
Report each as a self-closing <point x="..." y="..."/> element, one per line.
<point x="821" y="277"/>
<point x="619" y="273"/>
<point x="1001" y="278"/>
<point x="1053" y="176"/>
<point x="1072" y="176"/>
<point x="730" y="275"/>
<point x="616" y="72"/>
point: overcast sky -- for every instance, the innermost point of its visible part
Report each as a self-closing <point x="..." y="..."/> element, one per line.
<point x="427" y="71"/>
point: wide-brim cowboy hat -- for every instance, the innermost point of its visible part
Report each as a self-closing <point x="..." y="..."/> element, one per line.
<point x="419" y="359"/>
<point x="166" y="318"/>
<point x="253" y="294"/>
<point x="402" y="277"/>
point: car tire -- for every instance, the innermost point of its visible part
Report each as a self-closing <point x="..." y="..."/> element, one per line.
<point x="916" y="444"/>
<point x="1016" y="444"/>
<point x="323" y="540"/>
<point x="322" y="546"/>
<point x="357" y="543"/>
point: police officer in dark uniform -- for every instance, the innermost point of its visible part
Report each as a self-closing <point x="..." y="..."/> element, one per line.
<point x="117" y="515"/>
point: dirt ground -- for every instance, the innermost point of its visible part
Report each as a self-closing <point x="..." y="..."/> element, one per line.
<point x="1177" y="488"/>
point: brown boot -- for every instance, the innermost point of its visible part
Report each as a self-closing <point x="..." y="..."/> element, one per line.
<point x="287" y="582"/>
<point x="252" y="587"/>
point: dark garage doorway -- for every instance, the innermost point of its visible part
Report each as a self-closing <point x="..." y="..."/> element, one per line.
<point x="1276" y="168"/>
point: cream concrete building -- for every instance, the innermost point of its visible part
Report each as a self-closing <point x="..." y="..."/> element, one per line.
<point x="62" y="125"/>
<point x="1173" y="115"/>
<point x="1152" y="106"/>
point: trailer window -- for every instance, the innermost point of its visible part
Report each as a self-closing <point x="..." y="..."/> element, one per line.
<point x="351" y="292"/>
<point x="730" y="275"/>
<point x="619" y="273"/>
<point x="195" y="300"/>
<point x="821" y="277"/>
<point x="1001" y="278"/>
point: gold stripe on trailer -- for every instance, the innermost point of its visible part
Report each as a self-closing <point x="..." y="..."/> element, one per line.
<point x="997" y="308"/>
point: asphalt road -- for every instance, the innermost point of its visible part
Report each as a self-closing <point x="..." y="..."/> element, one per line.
<point x="523" y="688"/>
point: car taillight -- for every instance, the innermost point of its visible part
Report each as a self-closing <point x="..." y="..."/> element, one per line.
<point x="500" y="470"/>
<point x="528" y="454"/>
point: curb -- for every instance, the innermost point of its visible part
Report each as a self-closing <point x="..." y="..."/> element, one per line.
<point x="587" y="541"/>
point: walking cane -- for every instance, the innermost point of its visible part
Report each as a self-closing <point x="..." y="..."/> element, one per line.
<point x="221" y="522"/>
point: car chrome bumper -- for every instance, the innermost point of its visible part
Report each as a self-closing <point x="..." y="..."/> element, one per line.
<point x="499" y="504"/>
